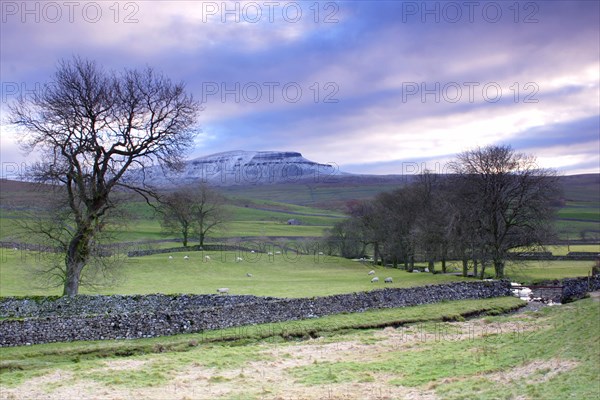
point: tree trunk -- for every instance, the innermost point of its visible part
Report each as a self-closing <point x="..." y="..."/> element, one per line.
<point x="185" y="232"/>
<point x="499" y="269"/>
<point x="475" y="267"/>
<point x="443" y="265"/>
<point x="465" y="265"/>
<point x="482" y="273"/>
<point x="71" y="286"/>
<point x="78" y="254"/>
<point x="431" y="266"/>
<point x="376" y="252"/>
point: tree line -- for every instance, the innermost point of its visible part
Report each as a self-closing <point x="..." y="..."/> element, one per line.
<point x="494" y="201"/>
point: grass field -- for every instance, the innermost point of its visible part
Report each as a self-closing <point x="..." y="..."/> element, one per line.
<point x="551" y="354"/>
<point x="248" y="217"/>
<point x="537" y="271"/>
<point x="282" y="275"/>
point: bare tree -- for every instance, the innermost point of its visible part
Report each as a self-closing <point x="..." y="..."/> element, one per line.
<point x="193" y="212"/>
<point x="511" y="198"/>
<point x="430" y="228"/>
<point x="91" y="127"/>
<point x="49" y="229"/>
<point x="347" y="238"/>
<point x="397" y="212"/>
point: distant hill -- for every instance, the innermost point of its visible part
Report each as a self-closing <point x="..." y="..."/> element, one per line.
<point x="234" y="168"/>
<point x="581" y="188"/>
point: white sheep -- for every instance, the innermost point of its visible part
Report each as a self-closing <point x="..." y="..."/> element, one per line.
<point x="252" y="251"/>
<point x="426" y="270"/>
<point x="223" y="290"/>
<point x="238" y="259"/>
<point x="269" y="253"/>
<point x="206" y="258"/>
<point x="415" y="270"/>
<point x="277" y="252"/>
<point x="371" y="272"/>
<point x="389" y="280"/>
<point x="170" y="257"/>
<point x="186" y="257"/>
<point x="376" y="279"/>
<point x="249" y="275"/>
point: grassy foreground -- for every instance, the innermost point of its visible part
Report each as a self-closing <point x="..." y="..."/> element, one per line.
<point x="19" y="363"/>
<point x="551" y="354"/>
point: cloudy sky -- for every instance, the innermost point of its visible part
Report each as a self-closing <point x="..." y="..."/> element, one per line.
<point x="373" y="86"/>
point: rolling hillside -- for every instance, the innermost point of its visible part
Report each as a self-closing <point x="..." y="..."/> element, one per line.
<point x="264" y="209"/>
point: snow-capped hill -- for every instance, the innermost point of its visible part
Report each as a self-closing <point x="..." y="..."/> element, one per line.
<point x="245" y="168"/>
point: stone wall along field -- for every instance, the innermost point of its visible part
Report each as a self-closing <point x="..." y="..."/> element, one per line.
<point x="44" y="320"/>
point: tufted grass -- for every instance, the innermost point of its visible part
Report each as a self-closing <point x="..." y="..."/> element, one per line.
<point x="219" y="349"/>
<point x="458" y="369"/>
<point x="496" y="362"/>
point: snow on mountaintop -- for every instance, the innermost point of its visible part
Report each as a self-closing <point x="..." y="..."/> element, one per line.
<point x="244" y="168"/>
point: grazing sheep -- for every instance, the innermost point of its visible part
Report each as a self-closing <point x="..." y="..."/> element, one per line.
<point x="389" y="280"/>
<point x="371" y="272"/>
<point x="376" y="279"/>
<point x="269" y="253"/>
<point x="206" y="258"/>
<point x="186" y="257"/>
<point x="252" y="251"/>
<point x="249" y="275"/>
<point x="238" y="259"/>
<point x="320" y="253"/>
<point x="223" y="290"/>
<point x="415" y="271"/>
<point x="426" y="270"/>
<point x="277" y="252"/>
<point x="170" y="257"/>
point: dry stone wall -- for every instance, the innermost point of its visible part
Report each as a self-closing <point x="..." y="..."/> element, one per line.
<point x="44" y="320"/>
<point x="576" y="288"/>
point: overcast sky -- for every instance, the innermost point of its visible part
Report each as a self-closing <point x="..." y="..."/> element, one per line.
<point x="372" y="86"/>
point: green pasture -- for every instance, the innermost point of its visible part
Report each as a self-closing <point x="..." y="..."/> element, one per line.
<point x="253" y="214"/>
<point x="236" y="229"/>
<point x="537" y="271"/>
<point x="425" y="352"/>
<point x="268" y="204"/>
<point x="580" y="219"/>
<point x="577" y="230"/>
<point x="580" y="213"/>
<point x="563" y="250"/>
<point x="281" y="275"/>
<point x="260" y="218"/>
